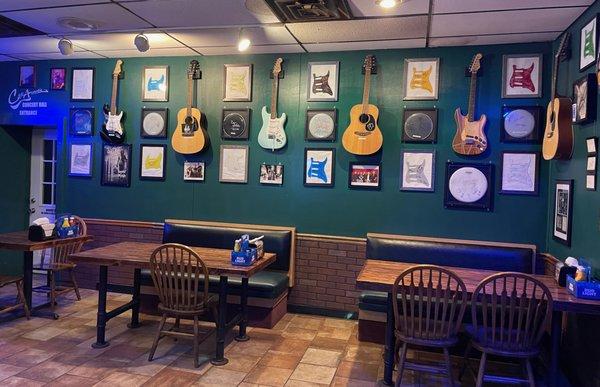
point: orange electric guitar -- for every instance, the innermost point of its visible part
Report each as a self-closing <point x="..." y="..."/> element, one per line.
<point x="363" y="136"/>
<point x="470" y="137"/>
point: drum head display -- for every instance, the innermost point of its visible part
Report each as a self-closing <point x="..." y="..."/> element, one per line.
<point x="321" y="126"/>
<point x="418" y="126"/>
<point x="468" y="185"/>
<point x="519" y="123"/>
<point x="234" y="125"/>
<point x="154" y="124"/>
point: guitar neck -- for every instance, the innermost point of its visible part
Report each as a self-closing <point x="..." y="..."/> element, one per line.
<point x="472" y="97"/>
<point x="190" y="92"/>
<point x="555" y="75"/>
<point x="366" y="89"/>
<point x="274" y="91"/>
<point x="113" y="98"/>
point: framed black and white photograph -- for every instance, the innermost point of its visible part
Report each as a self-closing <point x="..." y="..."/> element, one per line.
<point x="588" y="41"/>
<point x="235" y="124"/>
<point x="417" y="170"/>
<point x="522" y="76"/>
<point x="585" y="91"/>
<point x="27" y="76"/>
<point x="81" y="121"/>
<point x="521" y="124"/>
<point x="193" y="171"/>
<point x="80" y="160"/>
<point x="82" y="84"/>
<point x="520" y="173"/>
<point x="364" y="176"/>
<point x="323" y="81"/>
<point x="58" y="78"/>
<point x="591" y="164"/>
<point x="421" y="79"/>
<point x="154" y="123"/>
<point x="319" y="167"/>
<point x="469" y="186"/>
<point x="152" y="162"/>
<point x="591" y="144"/>
<point x="271" y="174"/>
<point x="116" y="165"/>
<point x="321" y="125"/>
<point x="233" y="167"/>
<point x="563" y="211"/>
<point x="237" y="82"/>
<point x="420" y="125"/>
<point x="155" y="83"/>
<point x="590" y="182"/>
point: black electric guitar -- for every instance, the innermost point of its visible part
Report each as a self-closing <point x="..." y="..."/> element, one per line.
<point x="112" y="130"/>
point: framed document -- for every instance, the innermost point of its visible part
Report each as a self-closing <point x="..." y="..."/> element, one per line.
<point x="152" y="162"/>
<point x="234" y="164"/>
<point x="116" y="165"/>
<point x="155" y="84"/>
<point x="80" y="160"/>
<point x="563" y="208"/>
<point x="82" y="84"/>
<point x="417" y="170"/>
<point x="323" y="81"/>
<point x="519" y="173"/>
<point x="237" y="82"/>
<point x="319" y="167"/>
<point x="421" y="79"/>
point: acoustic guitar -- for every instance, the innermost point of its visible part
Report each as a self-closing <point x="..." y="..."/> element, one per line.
<point x="470" y="136"/>
<point x="190" y="135"/>
<point x="112" y="129"/>
<point x="558" y="135"/>
<point x="363" y="136"/>
<point x="271" y="135"/>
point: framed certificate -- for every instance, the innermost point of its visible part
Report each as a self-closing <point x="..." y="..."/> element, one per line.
<point x="82" y="84"/>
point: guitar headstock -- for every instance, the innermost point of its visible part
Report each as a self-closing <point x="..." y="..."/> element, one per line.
<point x="370" y="63"/>
<point x="475" y="63"/>
<point x="277" y="67"/>
<point x="563" y="47"/>
<point x="193" y="68"/>
<point x="118" y="68"/>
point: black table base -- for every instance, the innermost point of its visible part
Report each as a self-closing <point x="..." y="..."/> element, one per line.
<point x="28" y="283"/>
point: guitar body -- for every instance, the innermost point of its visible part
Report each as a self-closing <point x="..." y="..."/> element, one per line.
<point x="112" y="129"/>
<point x="470" y="138"/>
<point x="558" y="135"/>
<point x="189" y="136"/>
<point x="272" y="135"/>
<point x="363" y="136"/>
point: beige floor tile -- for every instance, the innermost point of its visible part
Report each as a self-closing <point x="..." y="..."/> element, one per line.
<point x="98" y="368"/>
<point x="72" y="380"/>
<point x="322" y="357"/>
<point x="171" y="378"/>
<point x="122" y="379"/>
<point x="299" y="333"/>
<point x="186" y="363"/>
<point x="295" y="346"/>
<point x="8" y="370"/>
<point x="142" y="366"/>
<point x="363" y="354"/>
<point x="313" y="373"/>
<point x="269" y="376"/>
<point x="254" y="348"/>
<point x="335" y="332"/>
<point x="345" y="382"/>
<point x="29" y="357"/>
<point x="280" y="360"/>
<point x="329" y="343"/>
<point x="358" y="371"/>
<point x="45" y="333"/>
<point x="46" y="371"/>
<point x="306" y="322"/>
<point x="222" y="377"/>
<point x="242" y="363"/>
<point x="21" y="382"/>
<point x="339" y="323"/>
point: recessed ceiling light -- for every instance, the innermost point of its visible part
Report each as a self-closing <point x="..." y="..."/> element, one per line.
<point x="243" y="41"/>
<point x="77" y="24"/>
<point x="386" y="3"/>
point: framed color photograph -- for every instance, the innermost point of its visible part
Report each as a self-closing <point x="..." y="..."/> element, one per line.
<point x="80" y="160"/>
<point x="585" y="91"/>
<point x="58" y="77"/>
<point x="591" y="144"/>
<point x="193" y="171"/>
<point x="591" y="164"/>
<point x="588" y="40"/>
<point x="154" y="123"/>
<point x="420" y="125"/>
<point x="234" y="164"/>
<point x="563" y="208"/>
<point x="520" y="173"/>
<point x="469" y="186"/>
<point x="521" y="124"/>
<point x="319" y="167"/>
<point x="237" y="82"/>
<point x="421" y="79"/>
<point x="271" y="174"/>
<point x="27" y="76"/>
<point x="522" y="76"/>
<point x="155" y="83"/>
<point x="320" y="125"/>
<point x="116" y="165"/>
<point x="323" y="81"/>
<point x="417" y="170"/>
<point x="152" y="162"/>
<point x="364" y="176"/>
<point x="82" y="84"/>
<point x="81" y="121"/>
<point x="590" y="182"/>
<point x="235" y="124"/>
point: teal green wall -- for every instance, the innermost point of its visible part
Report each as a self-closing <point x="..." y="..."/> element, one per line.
<point x="335" y="211"/>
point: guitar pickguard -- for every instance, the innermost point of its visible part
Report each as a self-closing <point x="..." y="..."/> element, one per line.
<point x="521" y="77"/>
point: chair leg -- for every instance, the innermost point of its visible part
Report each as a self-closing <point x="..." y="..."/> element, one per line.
<point x="401" y="361"/>
<point x="196" y="341"/>
<point x="177" y="321"/>
<point x="465" y="363"/>
<point x="530" y="375"/>
<point x="157" y="337"/>
<point x="481" y="372"/>
<point x="22" y="300"/>
<point x="53" y="294"/>
<point x="75" y="286"/>
<point x="448" y="366"/>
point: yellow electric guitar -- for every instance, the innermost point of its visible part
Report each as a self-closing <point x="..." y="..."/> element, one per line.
<point x="189" y="136"/>
<point x="363" y="136"/>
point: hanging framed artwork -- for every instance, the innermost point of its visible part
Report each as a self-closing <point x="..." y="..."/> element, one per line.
<point x="319" y="167"/>
<point x="234" y="164"/>
<point x="588" y="41"/>
<point x="27" y="76"/>
<point x="469" y="186"/>
<point x="364" y="176"/>
<point x="563" y="211"/>
<point x="271" y="174"/>
<point x="154" y="123"/>
<point x="237" y="82"/>
<point x="585" y="91"/>
<point x="417" y="170"/>
<point x="421" y="79"/>
<point x="81" y="121"/>
<point x="58" y="77"/>
<point x="320" y="125"/>
<point x="522" y="76"/>
<point x="521" y="124"/>
<point x="80" y="160"/>
<point x="152" y="162"/>
<point x="193" y="171"/>
<point x="235" y="124"/>
<point x="82" y="84"/>
<point x="591" y="144"/>
<point x="155" y="84"/>
<point x="420" y="125"/>
<point x="520" y="173"/>
<point x="116" y="165"/>
<point x="323" y="81"/>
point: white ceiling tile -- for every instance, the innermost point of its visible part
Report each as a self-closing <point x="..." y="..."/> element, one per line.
<point x="11" y="5"/>
<point x="211" y="37"/>
<point x="30" y="45"/>
<point x="153" y="52"/>
<point x="107" y="16"/>
<point x="446" y="6"/>
<point x="231" y="50"/>
<point x="493" y="39"/>
<point x="58" y="55"/>
<point x="371" y="9"/>
<point x="121" y="41"/>
<point x="366" y="45"/>
<point x="4" y="58"/>
<point x="360" y="30"/>
<point x="195" y="13"/>
<point x="503" y="22"/>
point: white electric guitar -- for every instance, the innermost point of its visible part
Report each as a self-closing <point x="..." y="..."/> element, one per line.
<point x="271" y="135"/>
<point x="112" y="130"/>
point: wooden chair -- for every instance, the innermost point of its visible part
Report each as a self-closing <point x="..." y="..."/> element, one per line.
<point x="18" y="281"/>
<point x="429" y="305"/>
<point x="56" y="260"/>
<point x="181" y="281"/>
<point x="510" y="313"/>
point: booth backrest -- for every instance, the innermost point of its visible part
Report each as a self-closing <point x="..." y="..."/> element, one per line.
<point x="278" y="240"/>
<point x="452" y="252"/>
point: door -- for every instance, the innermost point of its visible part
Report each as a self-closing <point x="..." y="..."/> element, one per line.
<point x="42" y="196"/>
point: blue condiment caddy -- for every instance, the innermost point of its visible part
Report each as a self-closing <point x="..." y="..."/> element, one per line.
<point x="247" y="253"/>
<point x="589" y="290"/>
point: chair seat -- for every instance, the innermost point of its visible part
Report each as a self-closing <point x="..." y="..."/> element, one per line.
<point x="478" y="340"/>
<point x="54" y="266"/>
<point x="200" y="308"/>
<point x="7" y="280"/>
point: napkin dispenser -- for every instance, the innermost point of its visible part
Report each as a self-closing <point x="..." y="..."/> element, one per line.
<point x="40" y="230"/>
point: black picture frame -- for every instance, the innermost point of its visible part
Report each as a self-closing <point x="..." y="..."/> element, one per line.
<point x="145" y="90"/>
<point x="417" y="176"/>
<point x="484" y="203"/>
<point x="90" y="156"/>
<point x="55" y="83"/>
<point x="590" y="99"/>
<point x="78" y="117"/>
<point x="93" y="82"/>
<point x="331" y="156"/>
<point x="310" y="114"/>
<point x="163" y="113"/>
<point x="512" y="117"/>
<point x="109" y="165"/>
<point x="592" y="145"/>
<point x="583" y="64"/>
<point x="27" y="81"/>
<point x="352" y="184"/>
<point x="263" y="170"/>
<point x="563" y="211"/>
<point x="164" y="162"/>
<point x="411" y="136"/>
<point x="247" y="97"/>
<point x="237" y="126"/>
<point x="516" y="174"/>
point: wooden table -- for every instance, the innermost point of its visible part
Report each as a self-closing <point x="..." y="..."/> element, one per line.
<point x="380" y="275"/>
<point x="137" y="256"/>
<point x="18" y="241"/>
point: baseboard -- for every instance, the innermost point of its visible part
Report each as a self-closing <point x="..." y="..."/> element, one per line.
<point x="304" y="309"/>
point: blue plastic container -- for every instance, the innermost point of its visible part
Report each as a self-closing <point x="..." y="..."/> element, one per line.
<point x="589" y="290"/>
<point x="243" y="258"/>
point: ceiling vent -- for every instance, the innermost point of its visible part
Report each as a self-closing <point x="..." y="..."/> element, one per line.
<point x="11" y="29"/>
<point x="298" y="11"/>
